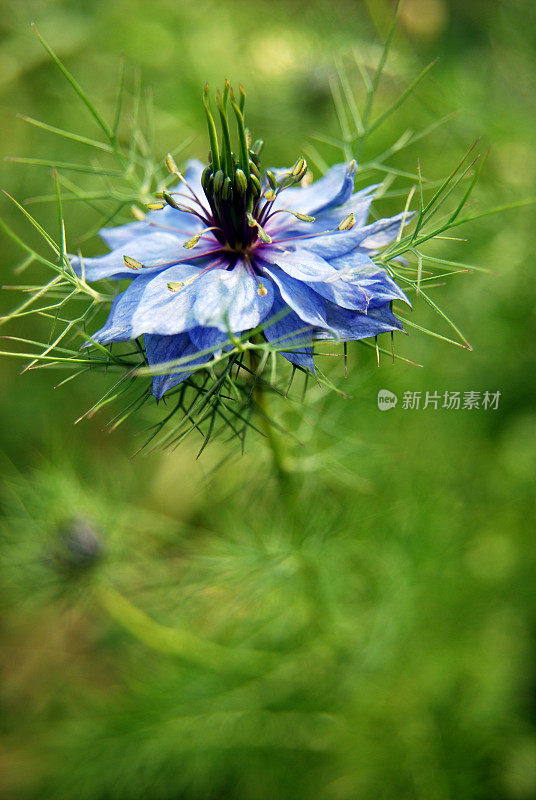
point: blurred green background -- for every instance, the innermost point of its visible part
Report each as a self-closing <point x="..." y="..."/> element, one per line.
<point x="378" y="640"/>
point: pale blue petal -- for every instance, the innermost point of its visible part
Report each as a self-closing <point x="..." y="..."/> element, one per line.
<point x="307" y="304"/>
<point x="300" y="264"/>
<point x="230" y="300"/>
<point x="350" y="325"/>
<point x="157" y="248"/>
<point x="332" y="189"/>
<point x="180" y="223"/>
<point x="148" y="306"/>
<point x="369" y="238"/>
<point x="357" y="269"/>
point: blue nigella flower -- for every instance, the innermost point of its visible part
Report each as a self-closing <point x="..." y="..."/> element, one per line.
<point x="234" y="249"/>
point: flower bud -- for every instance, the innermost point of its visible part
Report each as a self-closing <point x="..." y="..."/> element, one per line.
<point x="80" y="546"/>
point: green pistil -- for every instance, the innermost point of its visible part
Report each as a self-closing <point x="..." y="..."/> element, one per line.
<point x="226" y="138"/>
<point x="212" y="134"/>
<point x="244" y="154"/>
<point x="233" y="184"/>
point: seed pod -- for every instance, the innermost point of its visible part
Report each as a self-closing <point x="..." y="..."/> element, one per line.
<point x="257" y="147"/>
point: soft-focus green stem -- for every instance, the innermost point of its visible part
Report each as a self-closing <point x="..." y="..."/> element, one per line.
<point x="178" y="641"/>
<point x="273" y="438"/>
<point x="274" y="441"/>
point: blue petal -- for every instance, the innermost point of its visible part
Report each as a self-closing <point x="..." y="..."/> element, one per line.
<point x="332" y="189"/>
<point x="358" y="205"/>
<point x="300" y="264"/>
<point x="230" y="300"/>
<point x="208" y="338"/>
<point x="162" y="349"/>
<point x="307" y="304"/>
<point x="148" y="306"/>
<point x="290" y="329"/>
<point x="169" y="219"/>
<point x="349" y="325"/>
<point x="357" y="269"/>
<point x="369" y="238"/>
<point x="151" y="250"/>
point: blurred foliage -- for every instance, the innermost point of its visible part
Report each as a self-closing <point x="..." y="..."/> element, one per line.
<point x="172" y="628"/>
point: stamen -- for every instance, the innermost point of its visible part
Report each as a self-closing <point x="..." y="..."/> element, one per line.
<point x="132" y="263"/>
<point x="301" y="217"/>
<point x="253" y="223"/>
<point x="193" y="242"/>
<point x="347" y="223"/>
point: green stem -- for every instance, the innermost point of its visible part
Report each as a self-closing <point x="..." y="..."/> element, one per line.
<point x="274" y="440"/>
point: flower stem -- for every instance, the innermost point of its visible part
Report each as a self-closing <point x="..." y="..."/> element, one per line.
<point x="274" y="440"/>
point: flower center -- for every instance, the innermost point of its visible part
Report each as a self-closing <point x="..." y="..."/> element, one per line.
<point x="239" y="194"/>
